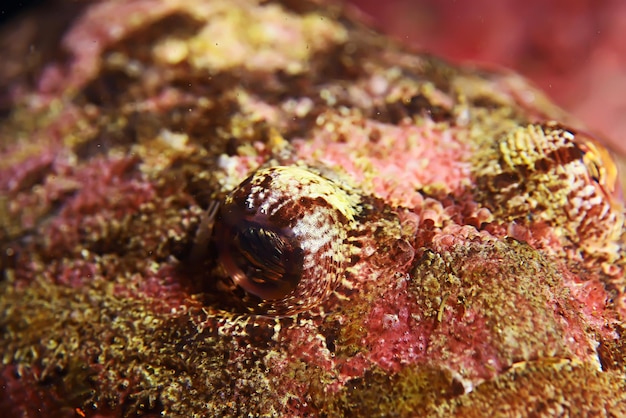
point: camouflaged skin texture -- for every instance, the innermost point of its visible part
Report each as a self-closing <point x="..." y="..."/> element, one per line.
<point x="468" y="237"/>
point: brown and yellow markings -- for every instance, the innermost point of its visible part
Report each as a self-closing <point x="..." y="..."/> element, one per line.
<point x="547" y="173"/>
<point x="282" y="236"/>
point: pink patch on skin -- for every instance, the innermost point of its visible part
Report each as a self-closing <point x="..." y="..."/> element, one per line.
<point x="575" y="331"/>
<point x="164" y="100"/>
<point x="104" y="192"/>
<point x="75" y="275"/>
<point x="104" y="187"/>
<point x="19" y="395"/>
<point x="49" y="139"/>
<point x="453" y="235"/>
<point x="51" y="78"/>
<point x="163" y="287"/>
<point x="594" y="302"/>
<point x="410" y="221"/>
<point x="101" y="25"/>
<point x="400" y="334"/>
<point x="593" y="295"/>
<point x="257" y="109"/>
<point x="306" y="344"/>
<point x="402" y="160"/>
<point x="469" y="347"/>
<point x="15" y="177"/>
<point x="396" y="335"/>
<point x="354" y="366"/>
<point x="239" y="168"/>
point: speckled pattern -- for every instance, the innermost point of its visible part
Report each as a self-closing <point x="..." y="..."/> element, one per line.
<point x="284" y="235"/>
<point x="482" y="263"/>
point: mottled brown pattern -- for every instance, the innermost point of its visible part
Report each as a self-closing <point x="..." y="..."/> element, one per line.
<point x="539" y="173"/>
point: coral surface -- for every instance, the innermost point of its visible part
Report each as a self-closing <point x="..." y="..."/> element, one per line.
<point x="162" y="162"/>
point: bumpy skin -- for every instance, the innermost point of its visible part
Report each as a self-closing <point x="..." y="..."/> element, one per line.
<point x="483" y="264"/>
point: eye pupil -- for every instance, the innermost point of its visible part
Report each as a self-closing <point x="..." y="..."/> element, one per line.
<point x="265" y="262"/>
<point x="262" y="254"/>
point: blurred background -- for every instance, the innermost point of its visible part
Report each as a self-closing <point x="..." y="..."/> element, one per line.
<point x="574" y="50"/>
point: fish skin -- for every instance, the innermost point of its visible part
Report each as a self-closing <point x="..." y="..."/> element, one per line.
<point x="485" y="260"/>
